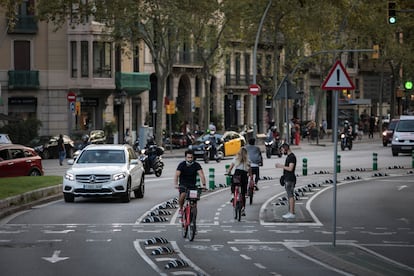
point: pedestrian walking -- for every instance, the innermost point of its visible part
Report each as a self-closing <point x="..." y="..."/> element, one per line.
<point x="256" y="160"/>
<point x="289" y="178"/>
<point x="61" y="149"/>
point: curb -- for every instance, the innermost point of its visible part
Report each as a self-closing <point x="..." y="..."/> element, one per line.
<point x="29" y="199"/>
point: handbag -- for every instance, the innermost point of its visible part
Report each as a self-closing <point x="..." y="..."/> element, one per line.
<point x="236" y="179"/>
<point x="282" y="180"/>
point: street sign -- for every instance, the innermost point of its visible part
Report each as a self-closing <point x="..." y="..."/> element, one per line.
<point x="338" y="79"/>
<point x="254" y="89"/>
<point x="71" y="97"/>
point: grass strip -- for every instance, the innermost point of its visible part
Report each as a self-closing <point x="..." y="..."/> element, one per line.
<point x="12" y="186"/>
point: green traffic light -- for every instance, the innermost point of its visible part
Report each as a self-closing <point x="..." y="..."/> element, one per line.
<point x="392" y="20"/>
<point x="408" y="85"/>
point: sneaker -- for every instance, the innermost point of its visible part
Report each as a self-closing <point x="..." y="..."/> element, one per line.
<point x="243" y="213"/>
<point x="256" y="188"/>
<point x="180" y="213"/>
<point x="289" y="215"/>
<point x="232" y="198"/>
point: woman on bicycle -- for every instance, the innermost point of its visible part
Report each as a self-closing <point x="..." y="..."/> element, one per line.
<point x="241" y="165"/>
<point x="186" y="177"/>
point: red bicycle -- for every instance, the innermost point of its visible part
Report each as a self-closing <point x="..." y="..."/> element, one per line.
<point x="188" y="221"/>
<point x="238" y="198"/>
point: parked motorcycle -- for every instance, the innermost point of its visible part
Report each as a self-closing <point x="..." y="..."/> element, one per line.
<point x="151" y="159"/>
<point x="272" y="145"/>
<point x="346" y="141"/>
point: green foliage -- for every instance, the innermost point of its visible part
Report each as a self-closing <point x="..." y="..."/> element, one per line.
<point x="21" y="132"/>
<point x="12" y="186"/>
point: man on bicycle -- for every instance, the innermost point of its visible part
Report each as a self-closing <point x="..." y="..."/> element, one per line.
<point x="256" y="160"/>
<point x="186" y="177"/>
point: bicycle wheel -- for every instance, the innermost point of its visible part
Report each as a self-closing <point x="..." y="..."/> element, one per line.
<point x="192" y="227"/>
<point x="237" y="210"/>
<point x="184" y="225"/>
<point x="251" y="192"/>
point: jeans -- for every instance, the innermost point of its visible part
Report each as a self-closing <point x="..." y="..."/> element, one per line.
<point x="62" y="156"/>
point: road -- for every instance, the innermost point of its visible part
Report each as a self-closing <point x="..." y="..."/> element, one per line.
<point x="374" y="233"/>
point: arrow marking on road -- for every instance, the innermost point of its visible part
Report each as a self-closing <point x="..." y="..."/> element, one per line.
<point x="402" y="187"/>
<point x="55" y="257"/>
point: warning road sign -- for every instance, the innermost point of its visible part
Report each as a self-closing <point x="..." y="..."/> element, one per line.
<point x="338" y="79"/>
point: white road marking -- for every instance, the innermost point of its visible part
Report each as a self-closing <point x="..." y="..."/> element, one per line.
<point x="55" y="257"/>
<point x="245" y="257"/>
<point x="259" y="266"/>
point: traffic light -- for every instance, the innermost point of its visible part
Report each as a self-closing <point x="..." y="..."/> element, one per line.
<point x="392" y="13"/>
<point x="408" y="85"/>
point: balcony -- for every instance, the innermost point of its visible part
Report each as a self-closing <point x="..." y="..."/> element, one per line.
<point x="133" y="83"/>
<point x="23" y="79"/>
<point x="187" y="59"/>
<point x="25" y="24"/>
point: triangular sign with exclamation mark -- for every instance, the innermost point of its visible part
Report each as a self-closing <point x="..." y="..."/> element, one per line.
<point x="338" y="79"/>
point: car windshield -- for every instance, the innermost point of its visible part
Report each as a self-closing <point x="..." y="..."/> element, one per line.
<point x="392" y="125"/>
<point x="405" y="126"/>
<point x="102" y="156"/>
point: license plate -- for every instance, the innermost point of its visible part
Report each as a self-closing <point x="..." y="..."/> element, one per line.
<point x="198" y="152"/>
<point x="406" y="147"/>
<point x="92" y="186"/>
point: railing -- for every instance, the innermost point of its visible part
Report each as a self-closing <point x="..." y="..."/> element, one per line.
<point x="187" y="58"/>
<point x="23" y="79"/>
<point x="25" y="24"/>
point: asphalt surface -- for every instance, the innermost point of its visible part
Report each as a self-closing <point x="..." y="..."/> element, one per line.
<point x="348" y="259"/>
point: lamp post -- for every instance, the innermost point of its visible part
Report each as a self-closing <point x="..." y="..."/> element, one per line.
<point x="255" y="67"/>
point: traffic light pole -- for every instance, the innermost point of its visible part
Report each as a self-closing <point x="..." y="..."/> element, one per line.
<point x="255" y="67"/>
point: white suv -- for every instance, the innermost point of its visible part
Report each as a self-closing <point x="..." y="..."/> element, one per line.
<point x="403" y="137"/>
<point x="104" y="170"/>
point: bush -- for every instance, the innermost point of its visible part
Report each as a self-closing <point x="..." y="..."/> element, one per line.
<point x="22" y="132"/>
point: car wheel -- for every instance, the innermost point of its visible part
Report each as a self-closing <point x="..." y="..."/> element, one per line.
<point x="139" y="193"/>
<point x="68" y="197"/>
<point x="394" y="153"/>
<point x="126" y="196"/>
<point x="35" y="172"/>
<point x="46" y="154"/>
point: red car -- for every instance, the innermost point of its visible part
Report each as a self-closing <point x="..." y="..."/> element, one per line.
<point x="18" y="160"/>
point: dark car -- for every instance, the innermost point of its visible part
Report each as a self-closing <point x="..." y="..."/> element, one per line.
<point x="46" y="146"/>
<point x="18" y="160"/>
<point x="198" y="146"/>
<point x="388" y="132"/>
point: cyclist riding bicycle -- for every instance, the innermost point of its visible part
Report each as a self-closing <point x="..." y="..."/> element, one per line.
<point x="241" y="164"/>
<point x="256" y="160"/>
<point x="186" y="177"/>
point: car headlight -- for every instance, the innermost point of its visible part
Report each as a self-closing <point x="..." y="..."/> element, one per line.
<point x="119" y="176"/>
<point x="69" y="177"/>
<point x="342" y="135"/>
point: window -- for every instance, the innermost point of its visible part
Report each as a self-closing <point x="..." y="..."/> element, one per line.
<point x="102" y="61"/>
<point x="259" y="65"/>
<point x="247" y="67"/>
<point x="21" y="55"/>
<point x="228" y="65"/>
<point x="268" y="65"/>
<point x="73" y="60"/>
<point x="84" y="59"/>
<point x="237" y="65"/>
<point x="136" y="59"/>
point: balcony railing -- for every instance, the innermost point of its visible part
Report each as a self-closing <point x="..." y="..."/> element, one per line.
<point x="133" y="82"/>
<point x="23" y="79"/>
<point x="25" y="24"/>
<point x="187" y="58"/>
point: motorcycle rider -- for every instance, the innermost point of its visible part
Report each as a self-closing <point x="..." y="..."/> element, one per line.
<point x="347" y="130"/>
<point x="212" y="139"/>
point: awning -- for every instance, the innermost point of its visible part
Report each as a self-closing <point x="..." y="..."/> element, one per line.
<point x="132" y="82"/>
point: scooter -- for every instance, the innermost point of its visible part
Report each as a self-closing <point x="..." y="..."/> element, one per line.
<point x="151" y="159"/>
<point x="272" y="145"/>
<point x="209" y="153"/>
<point x="346" y="141"/>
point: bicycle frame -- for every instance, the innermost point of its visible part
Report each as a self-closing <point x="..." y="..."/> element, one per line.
<point x="188" y="221"/>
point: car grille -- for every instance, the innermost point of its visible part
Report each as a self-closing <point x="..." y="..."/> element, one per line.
<point x="93" y="191"/>
<point x="93" y="178"/>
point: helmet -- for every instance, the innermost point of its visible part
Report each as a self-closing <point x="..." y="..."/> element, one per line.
<point x="346" y="122"/>
<point x="284" y="145"/>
